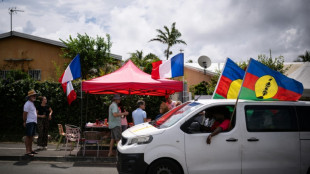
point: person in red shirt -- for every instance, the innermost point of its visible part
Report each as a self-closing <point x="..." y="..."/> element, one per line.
<point x="222" y="122"/>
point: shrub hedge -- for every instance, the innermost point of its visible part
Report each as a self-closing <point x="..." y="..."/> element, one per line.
<point x="13" y="97"/>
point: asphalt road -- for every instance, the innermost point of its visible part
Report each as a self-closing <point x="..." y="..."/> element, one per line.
<point x="34" y="167"/>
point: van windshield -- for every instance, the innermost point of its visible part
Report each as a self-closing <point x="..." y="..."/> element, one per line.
<point x="173" y="116"/>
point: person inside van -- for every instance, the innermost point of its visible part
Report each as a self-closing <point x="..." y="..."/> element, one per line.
<point x="222" y="122"/>
<point x="163" y="108"/>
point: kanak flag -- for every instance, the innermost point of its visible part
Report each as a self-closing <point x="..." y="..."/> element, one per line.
<point x="262" y="83"/>
<point x="72" y="72"/>
<point x="173" y="67"/>
<point x="230" y="81"/>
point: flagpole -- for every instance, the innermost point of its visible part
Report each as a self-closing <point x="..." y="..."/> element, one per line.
<point x="81" y="103"/>
<point x="183" y="90"/>
<point x="232" y="116"/>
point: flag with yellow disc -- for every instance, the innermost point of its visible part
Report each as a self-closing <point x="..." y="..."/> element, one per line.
<point x="262" y="83"/>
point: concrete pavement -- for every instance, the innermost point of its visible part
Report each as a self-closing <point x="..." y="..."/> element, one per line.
<point x="15" y="151"/>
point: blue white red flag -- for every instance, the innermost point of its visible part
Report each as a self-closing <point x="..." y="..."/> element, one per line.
<point x="72" y="72"/>
<point x="173" y="67"/>
<point x="68" y="89"/>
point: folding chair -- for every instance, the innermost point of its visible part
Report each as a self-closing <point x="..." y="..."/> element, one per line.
<point x="61" y="134"/>
<point x="91" y="138"/>
<point x="73" y="134"/>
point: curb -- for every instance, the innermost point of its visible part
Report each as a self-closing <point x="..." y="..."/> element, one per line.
<point x="60" y="159"/>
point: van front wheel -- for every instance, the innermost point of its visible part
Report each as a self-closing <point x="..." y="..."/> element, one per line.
<point x="164" y="166"/>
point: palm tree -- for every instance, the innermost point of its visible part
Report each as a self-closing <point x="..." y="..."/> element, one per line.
<point x="137" y="58"/>
<point x="169" y="37"/>
<point x="143" y="62"/>
<point x="305" y="57"/>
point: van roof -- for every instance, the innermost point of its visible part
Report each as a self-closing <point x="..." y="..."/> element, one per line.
<point x="233" y="101"/>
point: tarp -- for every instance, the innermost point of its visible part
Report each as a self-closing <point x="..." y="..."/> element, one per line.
<point x="302" y="75"/>
<point x="129" y="79"/>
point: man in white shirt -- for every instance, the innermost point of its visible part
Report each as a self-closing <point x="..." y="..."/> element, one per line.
<point x="139" y="115"/>
<point x="30" y="122"/>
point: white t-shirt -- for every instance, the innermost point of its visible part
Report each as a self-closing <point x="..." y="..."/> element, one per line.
<point x="32" y="112"/>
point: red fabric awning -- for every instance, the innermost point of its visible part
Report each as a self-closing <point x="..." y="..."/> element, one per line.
<point x="129" y="79"/>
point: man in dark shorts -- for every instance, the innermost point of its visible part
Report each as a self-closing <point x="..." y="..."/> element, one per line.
<point x="30" y="122"/>
<point x="115" y="122"/>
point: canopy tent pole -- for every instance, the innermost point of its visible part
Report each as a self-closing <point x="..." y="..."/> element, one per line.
<point x="81" y="104"/>
<point x="86" y="107"/>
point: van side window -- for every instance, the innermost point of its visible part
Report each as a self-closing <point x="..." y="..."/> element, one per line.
<point x="205" y="122"/>
<point x="303" y="113"/>
<point x="261" y="118"/>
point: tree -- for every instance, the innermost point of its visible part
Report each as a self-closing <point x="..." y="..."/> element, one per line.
<point x="137" y="58"/>
<point x="276" y="64"/>
<point x="144" y="63"/>
<point x="169" y="37"/>
<point x="94" y="53"/>
<point x="190" y="61"/>
<point x="304" y="58"/>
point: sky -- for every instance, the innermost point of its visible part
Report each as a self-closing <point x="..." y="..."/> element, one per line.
<point x="238" y="29"/>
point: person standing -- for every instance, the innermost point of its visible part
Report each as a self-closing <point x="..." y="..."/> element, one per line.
<point x="30" y="121"/>
<point x="44" y="115"/>
<point x="124" y="123"/>
<point x="170" y="103"/>
<point x="139" y="115"/>
<point x="115" y="122"/>
<point x="163" y="108"/>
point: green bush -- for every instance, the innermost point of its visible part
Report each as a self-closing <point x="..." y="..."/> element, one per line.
<point x="13" y="97"/>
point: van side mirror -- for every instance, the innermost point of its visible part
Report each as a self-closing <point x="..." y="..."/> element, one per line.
<point x="194" y="127"/>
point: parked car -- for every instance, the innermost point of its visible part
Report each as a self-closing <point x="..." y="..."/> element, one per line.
<point x="264" y="137"/>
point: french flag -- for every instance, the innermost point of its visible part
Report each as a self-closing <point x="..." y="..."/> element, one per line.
<point x="173" y="67"/>
<point x="72" y="72"/>
<point x="71" y="94"/>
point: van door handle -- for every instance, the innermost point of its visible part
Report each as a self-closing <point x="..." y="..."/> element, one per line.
<point x="231" y="139"/>
<point x="253" y="139"/>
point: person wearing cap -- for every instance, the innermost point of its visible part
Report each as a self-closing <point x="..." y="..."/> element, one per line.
<point x="30" y="122"/>
<point x="115" y="122"/>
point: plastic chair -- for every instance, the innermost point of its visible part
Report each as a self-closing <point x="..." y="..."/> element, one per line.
<point x="92" y="137"/>
<point x="73" y="134"/>
<point x="61" y="134"/>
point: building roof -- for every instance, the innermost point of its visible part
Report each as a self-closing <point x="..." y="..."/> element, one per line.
<point x="218" y="67"/>
<point x="44" y="40"/>
<point x="212" y="70"/>
<point x="31" y="37"/>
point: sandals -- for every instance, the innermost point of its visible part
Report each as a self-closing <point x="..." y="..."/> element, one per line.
<point x="29" y="154"/>
<point x="34" y="152"/>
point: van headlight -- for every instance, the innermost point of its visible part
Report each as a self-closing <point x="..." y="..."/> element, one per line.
<point x="141" y="140"/>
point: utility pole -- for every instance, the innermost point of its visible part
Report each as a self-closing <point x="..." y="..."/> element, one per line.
<point x="11" y="11"/>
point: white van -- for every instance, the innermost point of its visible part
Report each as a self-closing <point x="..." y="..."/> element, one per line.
<point x="264" y="137"/>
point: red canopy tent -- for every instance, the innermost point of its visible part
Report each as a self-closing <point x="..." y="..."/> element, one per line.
<point x="129" y="79"/>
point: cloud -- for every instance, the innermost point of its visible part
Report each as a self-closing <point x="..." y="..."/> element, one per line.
<point x="238" y="29"/>
<point x="29" y="27"/>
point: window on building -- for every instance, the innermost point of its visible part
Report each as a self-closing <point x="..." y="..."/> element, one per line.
<point x="4" y="74"/>
<point x="270" y="118"/>
<point x="35" y="74"/>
